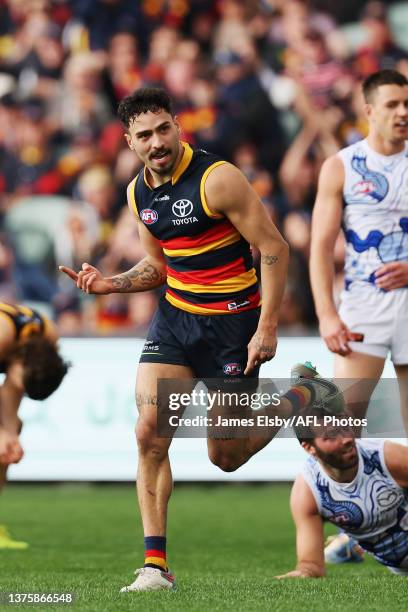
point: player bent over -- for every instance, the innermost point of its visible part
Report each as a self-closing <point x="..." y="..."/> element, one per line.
<point x="197" y="216"/>
<point x="359" y="486"/>
<point x="32" y="365"/>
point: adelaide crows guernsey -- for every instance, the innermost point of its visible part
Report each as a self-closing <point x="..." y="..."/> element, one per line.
<point x="209" y="263"/>
<point x="24" y="321"/>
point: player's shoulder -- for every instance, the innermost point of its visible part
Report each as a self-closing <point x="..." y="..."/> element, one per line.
<point x="334" y="163"/>
<point x="7" y="334"/>
<point x="224" y="169"/>
<point x="132" y="184"/>
<point x="302" y="499"/>
<point x="204" y="164"/>
<point x="131" y="193"/>
<point x="332" y="174"/>
<point x="202" y="155"/>
<point x="371" y="453"/>
<point x="395" y="461"/>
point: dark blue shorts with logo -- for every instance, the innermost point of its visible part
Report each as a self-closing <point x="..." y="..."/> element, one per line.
<point x="213" y="346"/>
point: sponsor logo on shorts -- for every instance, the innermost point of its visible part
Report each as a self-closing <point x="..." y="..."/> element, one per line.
<point x="232" y="369"/>
<point x="149" y="216"/>
<point x="151" y="347"/>
<point x="182" y="209"/>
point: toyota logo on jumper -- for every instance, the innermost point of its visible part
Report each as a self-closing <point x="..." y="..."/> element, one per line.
<point x="182" y="208"/>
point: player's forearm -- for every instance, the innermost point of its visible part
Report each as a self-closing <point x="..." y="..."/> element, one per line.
<point x="274" y="266"/>
<point x="147" y="274"/>
<point x="10" y="400"/>
<point x="322" y="280"/>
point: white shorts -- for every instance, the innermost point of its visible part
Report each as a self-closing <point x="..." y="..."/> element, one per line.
<point x="382" y="317"/>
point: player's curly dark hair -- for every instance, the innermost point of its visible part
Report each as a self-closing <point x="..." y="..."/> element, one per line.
<point x="308" y="432"/>
<point x="153" y="99"/>
<point x="44" y="368"/>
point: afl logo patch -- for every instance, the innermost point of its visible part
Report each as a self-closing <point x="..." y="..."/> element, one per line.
<point x="149" y="216"/>
<point x="182" y="208"/>
<point x="232" y="369"/>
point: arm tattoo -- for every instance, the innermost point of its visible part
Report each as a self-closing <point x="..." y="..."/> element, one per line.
<point x="265" y="348"/>
<point x="269" y="259"/>
<point x="141" y="277"/>
<point x="146" y="399"/>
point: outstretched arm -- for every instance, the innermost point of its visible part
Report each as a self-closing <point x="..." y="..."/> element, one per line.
<point x="11" y="395"/>
<point x="229" y="193"/>
<point x="148" y="274"/>
<point x="10" y="448"/>
<point x="326" y="222"/>
<point x="309" y="533"/>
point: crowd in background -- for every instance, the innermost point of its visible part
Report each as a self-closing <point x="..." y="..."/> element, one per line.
<point x="271" y="85"/>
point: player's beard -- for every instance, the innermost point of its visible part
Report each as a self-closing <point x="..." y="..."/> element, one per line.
<point x="340" y="460"/>
<point x="168" y="167"/>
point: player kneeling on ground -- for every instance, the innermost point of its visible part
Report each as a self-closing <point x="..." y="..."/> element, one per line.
<point x="360" y="486"/>
<point x="30" y="360"/>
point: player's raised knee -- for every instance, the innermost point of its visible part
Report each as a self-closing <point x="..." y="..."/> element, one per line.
<point x="227" y="462"/>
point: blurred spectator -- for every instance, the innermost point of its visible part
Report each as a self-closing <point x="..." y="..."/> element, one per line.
<point x="248" y="114"/>
<point x="123" y="73"/>
<point x="316" y="70"/>
<point x="163" y="43"/>
<point x="7" y="288"/>
<point x="30" y="164"/>
<point x="297" y="307"/>
<point x="80" y="103"/>
<point x="96" y="187"/>
<point x="101" y="19"/>
<point x="379" y="51"/>
<point x="299" y="170"/>
<point x="201" y="117"/>
<point x="270" y="85"/>
<point x="231" y="33"/>
<point x="41" y="68"/>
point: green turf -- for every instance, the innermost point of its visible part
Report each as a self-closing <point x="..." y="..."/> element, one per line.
<point x="226" y="543"/>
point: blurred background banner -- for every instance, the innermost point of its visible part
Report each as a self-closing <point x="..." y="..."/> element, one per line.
<point x="84" y="431"/>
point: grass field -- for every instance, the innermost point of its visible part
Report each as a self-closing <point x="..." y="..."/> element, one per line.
<point x="225" y="545"/>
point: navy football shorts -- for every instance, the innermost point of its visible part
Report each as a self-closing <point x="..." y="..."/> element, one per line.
<point x="213" y="346"/>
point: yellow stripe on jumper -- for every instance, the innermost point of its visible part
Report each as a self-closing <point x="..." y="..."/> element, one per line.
<point x="131" y="195"/>
<point x="212" y="246"/>
<point x="227" y="285"/>
<point x="193" y="307"/>
<point x="204" y="203"/>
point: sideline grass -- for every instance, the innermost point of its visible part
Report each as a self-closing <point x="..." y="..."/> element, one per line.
<point x="225" y="542"/>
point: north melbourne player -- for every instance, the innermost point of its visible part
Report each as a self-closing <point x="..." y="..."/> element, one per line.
<point x="359" y="486"/>
<point x="364" y="190"/>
